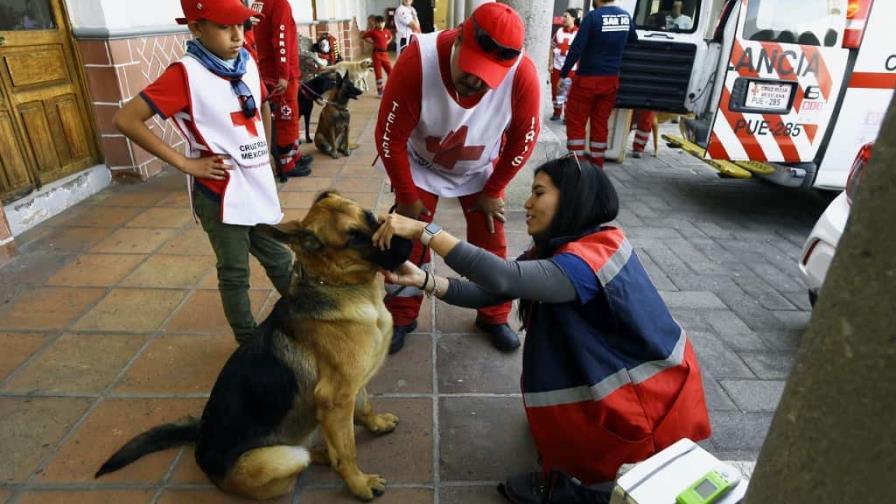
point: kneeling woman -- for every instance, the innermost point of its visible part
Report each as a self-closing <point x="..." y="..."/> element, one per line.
<point x="608" y="376"/>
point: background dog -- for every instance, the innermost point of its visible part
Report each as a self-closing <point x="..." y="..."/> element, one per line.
<point x="309" y="361"/>
<point x="331" y="136"/>
<point x="356" y="71"/>
<point x="311" y="91"/>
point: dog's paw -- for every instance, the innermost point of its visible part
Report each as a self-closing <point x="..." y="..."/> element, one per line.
<point x="382" y="423"/>
<point x="368" y="486"/>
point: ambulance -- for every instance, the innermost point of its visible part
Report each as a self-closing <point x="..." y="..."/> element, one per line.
<point x="787" y="90"/>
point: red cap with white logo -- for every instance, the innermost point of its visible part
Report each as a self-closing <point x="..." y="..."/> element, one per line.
<point x="224" y="12"/>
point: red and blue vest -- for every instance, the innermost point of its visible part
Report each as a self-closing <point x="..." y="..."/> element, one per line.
<point x="613" y="378"/>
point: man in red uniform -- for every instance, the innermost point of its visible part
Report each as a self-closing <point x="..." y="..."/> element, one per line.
<point x="460" y="122"/>
<point x="597" y="49"/>
<point x="643" y="127"/>
<point x="380" y="37"/>
<point x="278" y="54"/>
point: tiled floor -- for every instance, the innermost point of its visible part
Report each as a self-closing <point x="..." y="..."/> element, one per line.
<point x="110" y="323"/>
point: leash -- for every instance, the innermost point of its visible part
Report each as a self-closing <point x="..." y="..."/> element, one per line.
<point x="307" y="88"/>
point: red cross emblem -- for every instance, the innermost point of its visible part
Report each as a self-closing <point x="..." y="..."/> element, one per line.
<point x="451" y="149"/>
<point x="564" y="46"/>
<point x="240" y="119"/>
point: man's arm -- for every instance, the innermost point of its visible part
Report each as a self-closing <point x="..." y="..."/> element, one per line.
<point x="284" y="42"/>
<point x="522" y="133"/>
<point x="578" y="45"/>
<point x="632" y="31"/>
<point x="398" y="116"/>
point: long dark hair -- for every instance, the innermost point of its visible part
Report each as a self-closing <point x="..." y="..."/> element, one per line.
<point x="587" y="200"/>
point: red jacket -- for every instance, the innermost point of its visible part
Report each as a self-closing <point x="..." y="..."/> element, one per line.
<point x="276" y="40"/>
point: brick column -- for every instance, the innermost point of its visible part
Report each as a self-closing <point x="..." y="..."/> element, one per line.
<point x="117" y="70"/>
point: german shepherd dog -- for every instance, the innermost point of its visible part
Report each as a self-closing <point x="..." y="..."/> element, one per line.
<point x="312" y="91"/>
<point x="332" y="132"/>
<point x="306" y="367"/>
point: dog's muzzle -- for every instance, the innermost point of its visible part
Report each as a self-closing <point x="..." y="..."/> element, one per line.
<point x="395" y="256"/>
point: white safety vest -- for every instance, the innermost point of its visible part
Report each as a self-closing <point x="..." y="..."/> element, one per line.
<point x="443" y="147"/>
<point x="250" y="196"/>
<point x="562" y="42"/>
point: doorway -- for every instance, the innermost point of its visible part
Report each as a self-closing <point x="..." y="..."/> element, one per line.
<point x="46" y="132"/>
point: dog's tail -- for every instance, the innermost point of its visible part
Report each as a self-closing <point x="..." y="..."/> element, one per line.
<point x="183" y="431"/>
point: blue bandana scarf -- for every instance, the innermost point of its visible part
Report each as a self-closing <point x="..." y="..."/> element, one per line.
<point x="216" y="65"/>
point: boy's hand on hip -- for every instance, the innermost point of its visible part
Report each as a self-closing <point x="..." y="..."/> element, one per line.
<point x="212" y="167"/>
<point x="493" y="208"/>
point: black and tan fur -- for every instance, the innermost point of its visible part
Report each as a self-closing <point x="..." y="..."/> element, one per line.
<point x="306" y="368"/>
<point x="331" y="136"/>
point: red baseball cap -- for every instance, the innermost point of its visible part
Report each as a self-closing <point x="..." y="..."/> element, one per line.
<point x="225" y="12"/>
<point x="493" y="42"/>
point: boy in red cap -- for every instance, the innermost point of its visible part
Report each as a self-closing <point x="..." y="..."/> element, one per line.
<point x="460" y="122"/>
<point x="216" y="98"/>
<point x="380" y="37"/>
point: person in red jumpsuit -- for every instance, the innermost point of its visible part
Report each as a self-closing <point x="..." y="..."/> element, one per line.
<point x="461" y="121"/>
<point x="278" y="59"/>
<point x="380" y="38"/>
<point x="597" y="49"/>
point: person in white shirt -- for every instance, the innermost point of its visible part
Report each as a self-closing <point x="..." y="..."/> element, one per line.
<point x="676" y="21"/>
<point x="406" y="24"/>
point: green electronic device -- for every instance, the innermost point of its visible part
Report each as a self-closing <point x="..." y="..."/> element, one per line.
<point x="710" y="487"/>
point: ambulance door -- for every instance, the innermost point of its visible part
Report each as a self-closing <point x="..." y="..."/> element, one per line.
<point x="869" y="89"/>
<point x="658" y="70"/>
<point x="785" y="71"/>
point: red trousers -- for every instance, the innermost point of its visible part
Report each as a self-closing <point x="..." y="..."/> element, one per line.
<point x="405" y="305"/>
<point x="643" y="126"/>
<point x="591" y="97"/>
<point x="555" y="78"/>
<point x="381" y="62"/>
<point x="285" y="119"/>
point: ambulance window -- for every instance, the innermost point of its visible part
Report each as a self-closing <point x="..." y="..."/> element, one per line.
<point x="679" y="16"/>
<point x="810" y="22"/>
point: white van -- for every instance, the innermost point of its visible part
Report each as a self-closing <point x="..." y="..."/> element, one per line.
<point x="788" y="90"/>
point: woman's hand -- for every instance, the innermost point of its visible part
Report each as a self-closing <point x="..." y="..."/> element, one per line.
<point x="407" y="274"/>
<point x="394" y="224"/>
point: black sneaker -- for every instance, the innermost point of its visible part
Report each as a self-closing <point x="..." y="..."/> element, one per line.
<point x="300" y="170"/>
<point x="503" y="337"/>
<point x="305" y="159"/>
<point x="398" y="334"/>
<point x="559" y="488"/>
<point x="555" y="118"/>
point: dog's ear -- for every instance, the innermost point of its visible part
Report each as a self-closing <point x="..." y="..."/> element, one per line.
<point x="293" y="234"/>
<point x="308" y="242"/>
<point x="283" y="232"/>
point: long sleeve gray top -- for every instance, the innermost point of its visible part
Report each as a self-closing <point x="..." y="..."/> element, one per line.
<point x="493" y="280"/>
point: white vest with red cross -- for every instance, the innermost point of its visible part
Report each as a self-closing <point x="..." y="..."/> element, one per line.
<point x="453" y="149"/>
<point x="220" y="127"/>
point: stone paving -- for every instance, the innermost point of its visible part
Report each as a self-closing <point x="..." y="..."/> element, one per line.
<point x="110" y="323"/>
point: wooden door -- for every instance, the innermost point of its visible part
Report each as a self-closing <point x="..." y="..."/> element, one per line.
<point x="45" y="131"/>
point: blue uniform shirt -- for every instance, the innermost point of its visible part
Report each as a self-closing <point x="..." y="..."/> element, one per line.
<point x="599" y="42"/>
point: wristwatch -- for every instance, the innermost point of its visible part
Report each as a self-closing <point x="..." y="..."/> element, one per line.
<point x="429" y="232"/>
